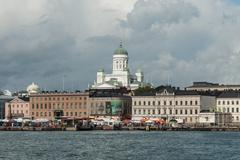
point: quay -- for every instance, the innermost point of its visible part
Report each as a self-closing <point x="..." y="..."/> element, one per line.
<point x="139" y="128"/>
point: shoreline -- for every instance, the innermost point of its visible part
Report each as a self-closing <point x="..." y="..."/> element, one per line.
<point x="147" y="129"/>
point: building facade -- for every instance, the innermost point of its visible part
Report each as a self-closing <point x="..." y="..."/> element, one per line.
<point x="3" y="100"/>
<point x="183" y="106"/>
<point x="17" y="108"/>
<point x="206" y="86"/>
<point x="53" y="105"/>
<point x="215" y="118"/>
<point x="110" y="103"/>
<point x="229" y="102"/>
<point x="120" y="76"/>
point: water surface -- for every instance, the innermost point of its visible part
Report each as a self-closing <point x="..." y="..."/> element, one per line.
<point x="102" y="145"/>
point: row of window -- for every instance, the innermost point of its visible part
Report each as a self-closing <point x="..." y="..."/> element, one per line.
<point x="96" y="112"/>
<point x="228" y="102"/>
<point x="165" y="103"/>
<point x="18" y="111"/>
<point x="18" y="106"/>
<point x="228" y="110"/>
<point x="165" y="111"/>
<point x="49" y="106"/>
<point x="58" y="98"/>
<point x="41" y="114"/>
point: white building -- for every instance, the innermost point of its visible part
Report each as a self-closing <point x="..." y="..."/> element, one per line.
<point x="17" y="108"/>
<point x="33" y="88"/>
<point x="229" y="102"/>
<point x="168" y="103"/>
<point x="206" y="86"/>
<point x="120" y="76"/>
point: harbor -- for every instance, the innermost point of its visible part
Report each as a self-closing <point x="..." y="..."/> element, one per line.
<point x="112" y="124"/>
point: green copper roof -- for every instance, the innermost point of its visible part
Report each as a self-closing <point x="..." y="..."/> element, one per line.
<point x="120" y="50"/>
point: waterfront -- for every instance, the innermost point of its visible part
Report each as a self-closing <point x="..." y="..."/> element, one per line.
<point x="123" y="145"/>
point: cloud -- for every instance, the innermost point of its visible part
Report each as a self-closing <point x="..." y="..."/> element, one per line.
<point x="186" y="40"/>
<point x="179" y="40"/>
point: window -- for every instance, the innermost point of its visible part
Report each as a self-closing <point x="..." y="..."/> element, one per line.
<point x="223" y="102"/>
<point x="196" y="103"/>
<point x="181" y="103"/>
<point x="159" y="111"/>
<point x="139" y="111"/>
<point x="135" y="112"/>
<point x="139" y="103"/>
<point x="153" y="103"/>
<point x="185" y="111"/>
<point x="37" y="106"/>
<point x="219" y="102"/>
<point x="144" y="112"/>
<point x="206" y="119"/>
<point x="149" y="112"/>
<point x="232" y="102"/>
<point x="228" y="110"/>
<point x="196" y="111"/>
<point x="237" y="102"/>
<point x="237" y="110"/>
<point x="32" y="106"/>
<point x="176" y="103"/>
<point x="237" y="118"/>
<point x="45" y="106"/>
<point x="190" y="102"/>
<point x="224" y="110"/>
<point x="180" y="111"/>
<point x="232" y="110"/>
<point x="144" y="103"/>
<point x="165" y="111"/>
<point x="186" y="103"/>
<point x="41" y="106"/>
<point x="170" y="111"/>
<point x="190" y="111"/>
<point x="170" y="103"/>
<point x="176" y="111"/>
<point x="153" y="111"/>
<point x="228" y="103"/>
<point x="75" y="113"/>
<point x="164" y="103"/>
<point x="135" y="103"/>
<point x="159" y="103"/>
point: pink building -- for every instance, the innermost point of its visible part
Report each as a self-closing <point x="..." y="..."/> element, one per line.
<point x="17" y="108"/>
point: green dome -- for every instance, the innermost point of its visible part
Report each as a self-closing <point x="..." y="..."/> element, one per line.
<point x="120" y="50"/>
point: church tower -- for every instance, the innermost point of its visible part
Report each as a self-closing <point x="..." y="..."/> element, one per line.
<point x="120" y="60"/>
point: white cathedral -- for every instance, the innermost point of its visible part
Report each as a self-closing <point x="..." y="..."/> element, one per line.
<point x="120" y="76"/>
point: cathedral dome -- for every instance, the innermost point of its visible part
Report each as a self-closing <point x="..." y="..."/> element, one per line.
<point x="33" y="88"/>
<point x="120" y="50"/>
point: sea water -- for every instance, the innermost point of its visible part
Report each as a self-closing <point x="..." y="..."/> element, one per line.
<point x="122" y="145"/>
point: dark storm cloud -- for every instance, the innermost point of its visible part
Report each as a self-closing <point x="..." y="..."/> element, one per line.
<point x="44" y="41"/>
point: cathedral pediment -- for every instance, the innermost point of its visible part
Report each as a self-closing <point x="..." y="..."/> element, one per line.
<point x="106" y="86"/>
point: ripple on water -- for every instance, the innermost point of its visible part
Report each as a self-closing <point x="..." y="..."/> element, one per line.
<point x="120" y="145"/>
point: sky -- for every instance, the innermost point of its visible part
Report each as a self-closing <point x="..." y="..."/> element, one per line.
<point x="176" y="42"/>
